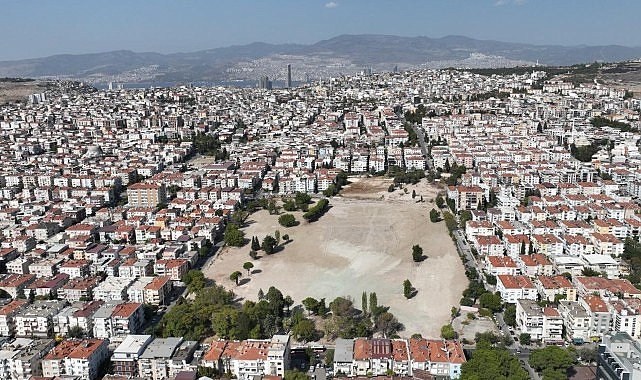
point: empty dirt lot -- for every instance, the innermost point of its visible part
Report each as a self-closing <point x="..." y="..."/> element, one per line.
<point x="363" y="243"/>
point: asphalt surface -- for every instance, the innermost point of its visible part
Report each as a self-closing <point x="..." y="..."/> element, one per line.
<point x="515" y="347"/>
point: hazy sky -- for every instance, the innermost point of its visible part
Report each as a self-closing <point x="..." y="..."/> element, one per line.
<point x="37" y="28"/>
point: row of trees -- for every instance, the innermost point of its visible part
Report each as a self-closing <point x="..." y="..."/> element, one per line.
<point x="316" y="211"/>
<point x="345" y="321"/>
<point x="402" y="176"/>
<point x="298" y="202"/>
<point x="269" y="245"/>
<point x="456" y="172"/>
<point x="632" y="255"/>
<point x="599" y="121"/>
<point x="492" y="361"/>
<point x="214" y="311"/>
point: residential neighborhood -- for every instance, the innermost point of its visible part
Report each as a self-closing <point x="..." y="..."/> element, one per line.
<point x="108" y="198"/>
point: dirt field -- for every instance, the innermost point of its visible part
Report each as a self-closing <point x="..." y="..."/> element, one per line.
<point x="363" y="243"/>
<point x="11" y="92"/>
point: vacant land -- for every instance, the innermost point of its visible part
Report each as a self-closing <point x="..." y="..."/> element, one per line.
<point x="19" y="91"/>
<point x="363" y="243"/>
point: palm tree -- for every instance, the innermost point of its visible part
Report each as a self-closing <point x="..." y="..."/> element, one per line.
<point x="235" y="276"/>
<point x="248" y="266"/>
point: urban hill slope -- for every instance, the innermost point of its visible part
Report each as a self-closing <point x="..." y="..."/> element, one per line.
<point x="379" y="51"/>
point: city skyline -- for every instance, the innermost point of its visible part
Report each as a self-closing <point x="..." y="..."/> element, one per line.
<point x="38" y="28"/>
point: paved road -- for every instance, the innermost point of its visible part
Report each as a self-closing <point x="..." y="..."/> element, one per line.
<point x="319" y="374"/>
<point x="420" y="134"/>
<point x="464" y="248"/>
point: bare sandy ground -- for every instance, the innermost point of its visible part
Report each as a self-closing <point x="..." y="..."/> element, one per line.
<point x="363" y="243"/>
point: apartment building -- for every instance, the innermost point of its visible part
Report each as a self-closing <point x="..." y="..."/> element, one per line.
<point x="619" y="357"/>
<point x="81" y="358"/>
<point x="37" y="318"/>
<point x="144" y="194"/>
<point x="124" y="360"/>
<point x="542" y="323"/>
<point x="513" y="288"/>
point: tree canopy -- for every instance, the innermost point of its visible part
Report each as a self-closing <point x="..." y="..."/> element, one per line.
<point x="490" y="363"/>
<point x="234" y="236"/>
<point x="315" y="212"/>
<point x="417" y="253"/>
<point x="287" y="220"/>
<point x="551" y="358"/>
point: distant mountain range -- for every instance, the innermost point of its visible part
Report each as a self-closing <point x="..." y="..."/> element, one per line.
<point x="344" y="54"/>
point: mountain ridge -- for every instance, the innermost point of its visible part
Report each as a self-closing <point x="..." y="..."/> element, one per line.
<point x="352" y="51"/>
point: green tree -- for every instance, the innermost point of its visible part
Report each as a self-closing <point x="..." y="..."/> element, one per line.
<point x="315" y="212"/>
<point x="448" y="332"/>
<point x="287" y="220"/>
<point x="464" y="217"/>
<point x="587" y="354"/>
<point x="330" y="191"/>
<point x="311" y="304"/>
<point x="295" y="375"/>
<point x="288" y="302"/>
<point x="491" y="301"/>
<point x="234" y="236"/>
<point x="489" y="363"/>
<point x="302" y="199"/>
<point x="440" y="202"/>
<point x="255" y="244"/>
<point x="194" y="279"/>
<point x="551" y="358"/>
<point x="235" y="276"/>
<point x="212" y="373"/>
<point x="387" y="324"/>
<point x="552" y="374"/>
<point x="239" y="217"/>
<point x="286" y="238"/>
<point x="525" y="339"/>
<point x="364" y="302"/>
<point x="248" y="267"/>
<point x="373" y="303"/>
<point x="509" y="315"/>
<point x="434" y="216"/>
<point x="342" y="307"/>
<point x="408" y="289"/>
<point x="329" y="357"/>
<point x="271" y="207"/>
<point x="269" y="244"/>
<point x="76" y="332"/>
<point x="417" y="253"/>
<point x="304" y="330"/>
<point x="589" y="272"/>
<point x="290" y="205"/>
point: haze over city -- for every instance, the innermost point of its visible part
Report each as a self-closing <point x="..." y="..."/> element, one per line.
<point x="39" y="28"/>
